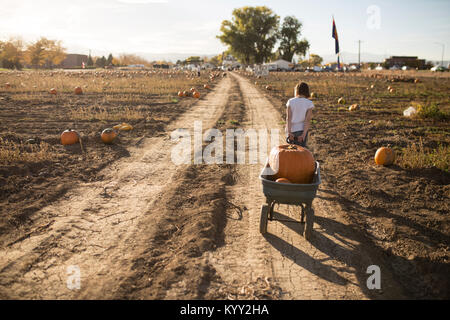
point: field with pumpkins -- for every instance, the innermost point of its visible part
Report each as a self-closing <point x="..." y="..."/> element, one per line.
<point x="60" y="127"/>
<point x="388" y="172"/>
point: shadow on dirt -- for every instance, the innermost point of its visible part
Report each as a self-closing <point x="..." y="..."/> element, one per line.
<point x="345" y="254"/>
<point x="420" y="278"/>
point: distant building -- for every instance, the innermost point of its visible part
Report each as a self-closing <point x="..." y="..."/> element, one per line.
<point x="208" y="65"/>
<point x="228" y="60"/>
<point x="280" y="65"/>
<point x="400" y="61"/>
<point x="73" y="60"/>
<point x="161" y="66"/>
<point x="136" y="66"/>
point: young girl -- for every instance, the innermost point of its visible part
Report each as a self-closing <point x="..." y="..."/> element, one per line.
<point x="299" y="114"/>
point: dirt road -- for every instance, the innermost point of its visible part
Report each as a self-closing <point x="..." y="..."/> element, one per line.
<point x="151" y="229"/>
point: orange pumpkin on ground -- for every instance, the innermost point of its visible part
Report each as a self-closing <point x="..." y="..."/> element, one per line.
<point x="193" y="89"/>
<point x="187" y="93"/>
<point x="180" y="94"/>
<point x="78" y="90"/>
<point x="206" y="87"/>
<point x="53" y="91"/>
<point x="292" y="162"/>
<point x="108" y="135"/>
<point x="269" y="87"/>
<point x="282" y="180"/>
<point x="69" y="137"/>
<point x="196" y="94"/>
<point x="384" y="156"/>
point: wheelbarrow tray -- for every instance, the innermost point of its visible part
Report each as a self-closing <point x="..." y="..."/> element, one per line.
<point x="290" y="193"/>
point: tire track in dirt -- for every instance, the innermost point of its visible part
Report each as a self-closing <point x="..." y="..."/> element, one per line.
<point x="98" y="226"/>
<point x="331" y="266"/>
<point x="172" y="264"/>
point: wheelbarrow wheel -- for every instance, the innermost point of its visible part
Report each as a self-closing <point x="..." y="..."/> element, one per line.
<point x="309" y="223"/>
<point x="264" y="218"/>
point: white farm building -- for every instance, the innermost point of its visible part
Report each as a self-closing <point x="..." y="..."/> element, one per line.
<point x="280" y="65"/>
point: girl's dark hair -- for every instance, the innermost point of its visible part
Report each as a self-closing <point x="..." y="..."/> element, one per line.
<point x="302" y="89"/>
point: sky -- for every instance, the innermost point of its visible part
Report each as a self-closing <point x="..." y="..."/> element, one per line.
<point x="385" y="27"/>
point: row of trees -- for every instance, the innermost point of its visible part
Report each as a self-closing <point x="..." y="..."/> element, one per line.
<point x="253" y="32"/>
<point x="46" y="53"/>
<point x="313" y="60"/>
<point x="130" y="59"/>
<point x="101" y="62"/>
<point x="14" y="53"/>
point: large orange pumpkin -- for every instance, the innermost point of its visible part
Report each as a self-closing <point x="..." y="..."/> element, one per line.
<point x="69" y="137"/>
<point x="292" y="162"/>
<point x="384" y="156"/>
<point x="78" y="90"/>
<point x="108" y="135"/>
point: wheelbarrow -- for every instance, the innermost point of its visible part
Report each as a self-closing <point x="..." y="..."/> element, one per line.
<point x="292" y="194"/>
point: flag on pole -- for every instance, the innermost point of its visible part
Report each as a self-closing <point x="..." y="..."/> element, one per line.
<point x="336" y="41"/>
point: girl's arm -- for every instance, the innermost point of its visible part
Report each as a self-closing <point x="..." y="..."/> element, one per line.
<point x="288" y="122"/>
<point x="307" y="122"/>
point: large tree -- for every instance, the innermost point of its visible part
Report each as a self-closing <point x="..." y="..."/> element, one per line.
<point x="100" y="62"/>
<point x="11" y="53"/>
<point x="110" y="59"/>
<point x="45" y="53"/>
<point x="290" y="43"/>
<point x="251" y="34"/>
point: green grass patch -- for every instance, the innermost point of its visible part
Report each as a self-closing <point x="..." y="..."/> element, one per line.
<point x="430" y="111"/>
<point x="416" y="157"/>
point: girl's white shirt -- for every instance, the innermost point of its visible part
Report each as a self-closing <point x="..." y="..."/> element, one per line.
<point x="299" y="106"/>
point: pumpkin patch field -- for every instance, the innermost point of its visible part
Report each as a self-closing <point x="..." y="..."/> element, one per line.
<point x="404" y="207"/>
<point x="37" y="107"/>
<point x="88" y="179"/>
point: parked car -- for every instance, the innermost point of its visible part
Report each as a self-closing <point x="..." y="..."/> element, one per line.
<point x="439" y="69"/>
<point x="317" y="69"/>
